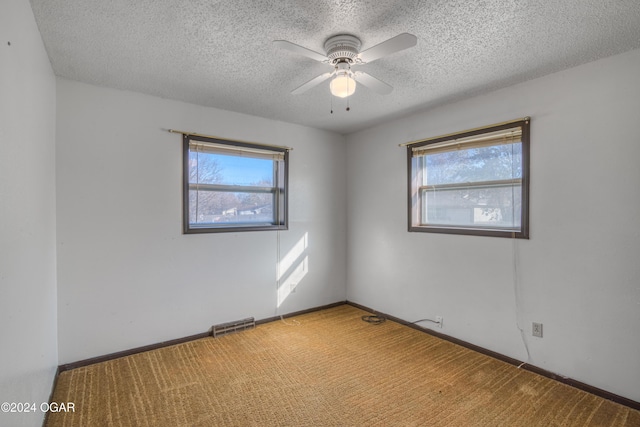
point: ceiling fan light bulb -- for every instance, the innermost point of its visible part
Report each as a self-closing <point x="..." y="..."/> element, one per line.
<point x="342" y="86"/>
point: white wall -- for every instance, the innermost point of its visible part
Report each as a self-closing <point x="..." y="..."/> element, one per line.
<point x="28" y="356"/>
<point x="579" y="274"/>
<point x="128" y="277"/>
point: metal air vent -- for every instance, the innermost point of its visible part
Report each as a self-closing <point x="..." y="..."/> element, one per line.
<point x="231" y="327"/>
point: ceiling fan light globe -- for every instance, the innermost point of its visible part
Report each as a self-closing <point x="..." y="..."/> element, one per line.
<point x="342" y="86"/>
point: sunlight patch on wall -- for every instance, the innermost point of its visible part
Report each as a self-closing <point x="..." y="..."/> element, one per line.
<point x="292" y="268"/>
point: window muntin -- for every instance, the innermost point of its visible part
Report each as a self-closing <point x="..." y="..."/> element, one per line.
<point x="471" y="183"/>
<point x="233" y="186"/>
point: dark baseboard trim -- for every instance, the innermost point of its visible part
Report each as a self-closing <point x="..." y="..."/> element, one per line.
<point x="53" y="388"/>
<point x="119" y="354"/>
<point x="298" y="313"/>
<point x="124" y="353"/>
<point x="522" y="365"/>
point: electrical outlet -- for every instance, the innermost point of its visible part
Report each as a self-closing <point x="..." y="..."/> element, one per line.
<point x="439" y="321"/>
<point x="537" y="329"/>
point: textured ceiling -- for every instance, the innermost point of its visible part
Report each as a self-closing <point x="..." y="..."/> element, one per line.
<point x="220" y="53"/>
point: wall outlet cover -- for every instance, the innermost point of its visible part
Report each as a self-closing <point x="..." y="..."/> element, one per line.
<point x="537" y="330"/>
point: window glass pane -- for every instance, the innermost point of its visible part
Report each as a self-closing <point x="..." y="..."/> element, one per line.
<point x="474" y="164"/>
<point x="223" y="207"/>
<point x="473" y="182"/>
<point x="233" y="186"/>
<point x="473" y="207"/>
<point x="209" y="168"/>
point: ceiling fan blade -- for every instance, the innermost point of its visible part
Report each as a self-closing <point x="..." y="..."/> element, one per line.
<point x="400" y="42"/>
<point x="311" y="83"/>
<point x="372" y="83"/>
<point x="292" y="47"/>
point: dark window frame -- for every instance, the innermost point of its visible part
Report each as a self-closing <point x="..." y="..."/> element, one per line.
<point x="523" y="233"/>
<point x="281" y="219"/>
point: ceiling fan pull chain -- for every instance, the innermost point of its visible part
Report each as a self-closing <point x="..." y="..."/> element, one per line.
<point x="348" y="96"/>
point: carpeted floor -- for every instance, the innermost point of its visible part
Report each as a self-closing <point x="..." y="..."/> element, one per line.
<point x="327" y="368"/>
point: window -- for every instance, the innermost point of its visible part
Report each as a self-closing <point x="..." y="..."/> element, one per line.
<point x="474" y="182"/>
<point x="233" y="186"/>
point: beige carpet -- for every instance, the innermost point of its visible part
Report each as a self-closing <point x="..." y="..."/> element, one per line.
<point x="327" y="368"/>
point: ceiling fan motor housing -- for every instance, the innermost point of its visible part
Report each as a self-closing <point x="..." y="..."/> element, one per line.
<point x="342" y="48"/>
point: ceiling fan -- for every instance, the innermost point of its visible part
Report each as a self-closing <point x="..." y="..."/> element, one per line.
<point x="342" y="52"/>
